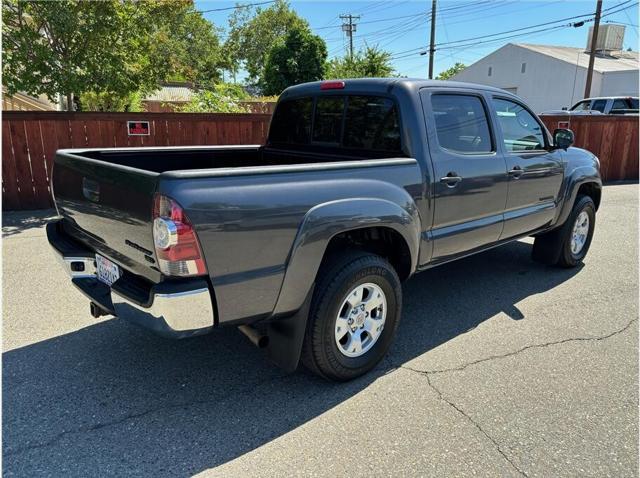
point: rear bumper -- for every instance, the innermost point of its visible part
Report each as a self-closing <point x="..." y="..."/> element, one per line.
<point x="174" y="309"/>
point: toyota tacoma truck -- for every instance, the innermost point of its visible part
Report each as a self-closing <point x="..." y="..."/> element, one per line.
<point x="303" y="242"/>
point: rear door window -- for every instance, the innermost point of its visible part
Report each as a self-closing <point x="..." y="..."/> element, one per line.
<point x="620" y="104"/>
<point x="461" y="123"/>
<point x="371" y="123"/>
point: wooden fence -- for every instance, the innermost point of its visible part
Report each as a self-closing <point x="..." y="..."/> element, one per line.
<point x="612" y="138"/>
<point x="30" y="140"/>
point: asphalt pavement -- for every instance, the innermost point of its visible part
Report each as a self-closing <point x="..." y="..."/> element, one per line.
<point x="501" y="367"/>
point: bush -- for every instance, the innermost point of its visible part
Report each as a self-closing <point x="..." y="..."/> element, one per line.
<point x="223" y="98"/>
<point x="109" y="101"/>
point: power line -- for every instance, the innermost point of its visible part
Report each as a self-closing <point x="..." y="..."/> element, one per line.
<point x="246" y="5"/>
<point x="447" y="45"/>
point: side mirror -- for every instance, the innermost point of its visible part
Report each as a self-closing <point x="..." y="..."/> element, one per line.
<point x="564" y="108"/>
<point x="563" y="138"/>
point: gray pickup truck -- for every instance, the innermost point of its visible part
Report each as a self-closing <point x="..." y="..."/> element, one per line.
<point x="303" y="243"/>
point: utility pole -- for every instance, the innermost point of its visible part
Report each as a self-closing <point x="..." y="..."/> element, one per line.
<point x="592" y="53"/>
<point x="432" y="43"/>
<point x="348" y="26"/>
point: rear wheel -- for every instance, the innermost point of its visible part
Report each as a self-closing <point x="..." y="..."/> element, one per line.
<point x="354" y="315"/>
<point x="568" y="245"/>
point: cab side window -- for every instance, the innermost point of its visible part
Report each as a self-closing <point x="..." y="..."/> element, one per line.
<point x="520" y="130"/>
<point x="582" y="106"/>
<point x="461" y="123"/>
<point x="599" y="105"/>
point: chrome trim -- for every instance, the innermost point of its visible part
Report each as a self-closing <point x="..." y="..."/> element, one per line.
<point x="89" y="266"/>
<point x="183" y="311"/>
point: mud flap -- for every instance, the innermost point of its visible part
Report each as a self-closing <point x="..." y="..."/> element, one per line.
<point x="286" y="336"/>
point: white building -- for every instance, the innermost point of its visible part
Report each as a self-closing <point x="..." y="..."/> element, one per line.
<point x="550" y="77"/>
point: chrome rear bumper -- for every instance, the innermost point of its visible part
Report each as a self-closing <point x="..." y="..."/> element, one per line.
<point x="172" y="314"/>
<point x="172" y="309"/>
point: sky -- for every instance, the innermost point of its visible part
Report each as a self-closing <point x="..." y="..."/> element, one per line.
<point x="465" y="30"/>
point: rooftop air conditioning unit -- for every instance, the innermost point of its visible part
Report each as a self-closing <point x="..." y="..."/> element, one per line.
<point x="610" y="38"/>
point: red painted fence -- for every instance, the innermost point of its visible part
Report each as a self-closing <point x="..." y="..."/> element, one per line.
<point x="30" y="140"/>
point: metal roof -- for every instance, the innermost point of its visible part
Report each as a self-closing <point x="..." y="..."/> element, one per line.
<point x="171" y="94"/>
<point x="614" y="61"/>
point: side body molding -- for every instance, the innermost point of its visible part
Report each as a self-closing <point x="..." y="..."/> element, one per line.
<point x="325" y="221"/>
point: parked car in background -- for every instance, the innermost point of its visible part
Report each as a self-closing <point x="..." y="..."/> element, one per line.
<point x="304" y="242"/>
<point x="613" y="105"/>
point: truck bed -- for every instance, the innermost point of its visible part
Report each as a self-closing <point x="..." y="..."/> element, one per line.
<point x="159" y="160"/>
<point x="106" y="196"/>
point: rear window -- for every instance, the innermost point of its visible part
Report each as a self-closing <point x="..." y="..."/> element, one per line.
<point x="291" y="122"/>
<point x="372" y="123"/>
<point x="327" y="125"/>
<point x="355" y="122"/>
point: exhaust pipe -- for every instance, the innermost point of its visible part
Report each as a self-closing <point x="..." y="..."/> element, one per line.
<point x="96" y="310"/>
<point x="257" y="338"/>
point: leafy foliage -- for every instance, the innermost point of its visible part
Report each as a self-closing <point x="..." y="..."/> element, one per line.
<point x="112" y="48"/>
<point x="451" y="72"/>
<point x="187" y="48"/>
<point x="110" y="101"/>
<point x="368" y="63"/>
<point x="300" y="57"/>
<point x="253" y="33"/>
<point x="221" y="98"/>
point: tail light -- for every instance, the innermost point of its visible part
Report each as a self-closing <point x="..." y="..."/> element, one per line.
<point x="176" y="243"/>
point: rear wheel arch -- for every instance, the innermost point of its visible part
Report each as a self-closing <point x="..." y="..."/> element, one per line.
<point x="348" y="222"/>
<point x="383" y="241"/>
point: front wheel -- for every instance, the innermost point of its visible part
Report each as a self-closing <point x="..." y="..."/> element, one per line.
<point x="568" y="245"/>
<point x="354" y="315"/>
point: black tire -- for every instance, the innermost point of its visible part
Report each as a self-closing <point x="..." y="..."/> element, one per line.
<point x="336" y="279"/>
<point x="554" y="247"/>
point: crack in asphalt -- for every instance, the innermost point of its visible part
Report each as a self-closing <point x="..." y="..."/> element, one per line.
<point x="56" y="438"/>
<point x="474" y="423"/>
<point x="132" y="416"/>
<point x="427" y="373"/>
<point x="525" y="348"/>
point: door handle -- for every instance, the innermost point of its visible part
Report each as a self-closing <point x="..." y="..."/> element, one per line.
<point x="516" y="172"/>
<point x="451" y="179"/>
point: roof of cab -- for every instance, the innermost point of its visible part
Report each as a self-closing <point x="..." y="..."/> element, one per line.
<point x="382" y="85"/>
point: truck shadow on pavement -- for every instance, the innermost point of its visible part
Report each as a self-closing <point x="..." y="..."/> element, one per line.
<point x="113" y="399"/>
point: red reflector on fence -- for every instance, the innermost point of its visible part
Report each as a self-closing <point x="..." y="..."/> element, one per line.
<point x="332" y="85"/>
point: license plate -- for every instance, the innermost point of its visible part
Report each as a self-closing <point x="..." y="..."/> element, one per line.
<point x="107" y="271"/>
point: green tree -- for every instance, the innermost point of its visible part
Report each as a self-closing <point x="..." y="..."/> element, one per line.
<point x="221" y="98"/>
<point x="110" y="49"/>
<point x="299" y="57"/>
<point x="73" y="46"/>
<point x="187" y="47"/>
<point x="368" y="63"/>
<point x="253" y="33"/>
<point x="451" y="72"/>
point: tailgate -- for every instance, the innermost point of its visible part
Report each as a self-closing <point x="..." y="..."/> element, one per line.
<point x="108" y="207"/>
